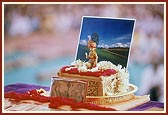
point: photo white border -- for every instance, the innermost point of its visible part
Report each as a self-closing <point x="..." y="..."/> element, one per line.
<point x="3" y="3"/>
<point x="107" y="18"/>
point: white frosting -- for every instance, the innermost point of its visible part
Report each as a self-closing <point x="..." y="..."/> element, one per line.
<point x="78" y="63"/>
<point x="103" y="65"/>
<point x="82" y="69"/>
<point x="69" y="68"/>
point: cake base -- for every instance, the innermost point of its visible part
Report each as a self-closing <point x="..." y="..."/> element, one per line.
<point x="105" y="100"/>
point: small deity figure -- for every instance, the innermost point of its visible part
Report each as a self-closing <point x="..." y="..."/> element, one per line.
<point x="93" y="58"/>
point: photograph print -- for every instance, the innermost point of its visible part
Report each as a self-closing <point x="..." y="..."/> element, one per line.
<point x="112" y="37"/>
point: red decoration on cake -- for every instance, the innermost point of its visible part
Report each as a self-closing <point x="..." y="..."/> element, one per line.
<point x="74" y="70"/>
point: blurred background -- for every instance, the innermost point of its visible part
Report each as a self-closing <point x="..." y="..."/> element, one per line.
<point x="41" y="38"/>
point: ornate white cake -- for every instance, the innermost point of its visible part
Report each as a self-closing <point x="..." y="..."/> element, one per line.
<point x="106" y="81"/>
<point x="113" y="79"/>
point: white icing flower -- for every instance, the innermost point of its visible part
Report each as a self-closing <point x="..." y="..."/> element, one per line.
<point x="103" y="65"/>
<point x="78" y="63"/>
<point x="82" y="68"/>
<point x="94" y="69"/>
<point x="69" y="68"/>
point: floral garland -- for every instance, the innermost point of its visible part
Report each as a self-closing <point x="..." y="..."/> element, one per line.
<point x="54" y="102"/>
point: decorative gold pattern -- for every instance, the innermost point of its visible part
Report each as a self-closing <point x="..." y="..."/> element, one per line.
<point x="104" y="100"/>
<point x="109" y="100"/>
<point x="92" y="88"/>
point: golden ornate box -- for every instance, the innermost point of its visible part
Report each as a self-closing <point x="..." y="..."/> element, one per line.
<point x="95" y="84"/>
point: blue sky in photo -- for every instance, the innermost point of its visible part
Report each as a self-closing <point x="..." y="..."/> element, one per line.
<point x="111" y="32"/>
